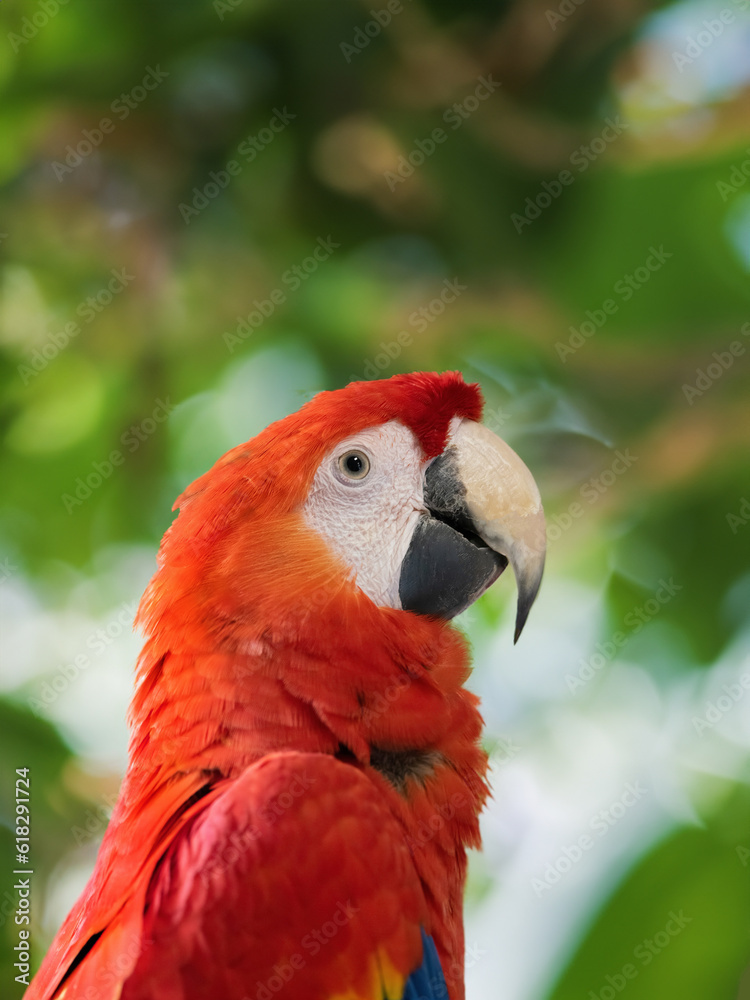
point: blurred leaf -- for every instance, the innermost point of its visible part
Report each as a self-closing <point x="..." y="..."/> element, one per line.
<point x="679" y="925"/>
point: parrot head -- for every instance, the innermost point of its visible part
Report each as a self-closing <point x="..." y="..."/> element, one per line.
<point x="390" y="492"/>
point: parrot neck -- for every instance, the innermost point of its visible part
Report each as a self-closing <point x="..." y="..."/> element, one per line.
<point x="398" y="707"/>
<point x="386" y="696"/>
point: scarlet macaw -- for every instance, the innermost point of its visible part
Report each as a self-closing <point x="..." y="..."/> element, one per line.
<point x="305" y="769"/>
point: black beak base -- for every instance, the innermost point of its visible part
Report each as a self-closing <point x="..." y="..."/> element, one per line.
<point x="443" y="571"/>
<point x="447" y="566"/>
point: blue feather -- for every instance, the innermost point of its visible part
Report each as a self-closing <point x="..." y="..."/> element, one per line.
<point x="428" y="981"/>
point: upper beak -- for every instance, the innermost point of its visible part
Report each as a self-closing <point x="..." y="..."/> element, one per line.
<point x="484" y="512"/>
<point x="504" y="505"/>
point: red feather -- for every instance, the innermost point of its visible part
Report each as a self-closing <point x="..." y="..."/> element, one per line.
<point x="259" y="644"/>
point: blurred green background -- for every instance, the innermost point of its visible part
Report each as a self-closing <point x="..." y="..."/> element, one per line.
<point x="210" y="211"/>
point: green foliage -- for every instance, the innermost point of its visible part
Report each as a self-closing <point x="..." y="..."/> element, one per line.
<point x="159" y="305"/>
<point x="671" y="928"/>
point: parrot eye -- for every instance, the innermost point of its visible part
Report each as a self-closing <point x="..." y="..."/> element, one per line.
<point x="354" y="465"/>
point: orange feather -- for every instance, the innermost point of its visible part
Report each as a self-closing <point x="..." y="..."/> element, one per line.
<point x="264" y="661"/>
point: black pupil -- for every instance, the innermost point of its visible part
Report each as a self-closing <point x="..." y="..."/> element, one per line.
<point x="354" y="463"/>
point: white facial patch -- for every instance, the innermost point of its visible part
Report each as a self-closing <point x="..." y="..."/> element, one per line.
<point x="365" y="501"/>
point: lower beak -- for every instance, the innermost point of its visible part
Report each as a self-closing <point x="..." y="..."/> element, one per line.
<point x="483" y="512"/>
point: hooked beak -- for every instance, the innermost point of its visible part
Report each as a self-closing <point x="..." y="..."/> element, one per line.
<point x="483" y="512"/>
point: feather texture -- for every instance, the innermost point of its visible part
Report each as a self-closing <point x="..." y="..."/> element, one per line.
<point x="265" y="663"/>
